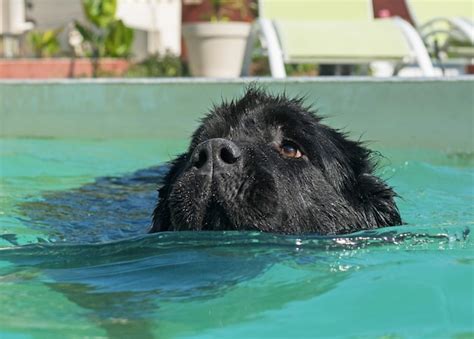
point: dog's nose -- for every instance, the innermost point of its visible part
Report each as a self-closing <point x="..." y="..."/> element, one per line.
<point x="215" y="154"/>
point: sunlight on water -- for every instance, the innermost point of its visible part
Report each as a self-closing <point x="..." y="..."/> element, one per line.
<point x="75" y="259"/>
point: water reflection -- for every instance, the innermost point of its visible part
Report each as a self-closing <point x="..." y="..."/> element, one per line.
<point x="110" y="208"/>
<point x="157" y="284"/>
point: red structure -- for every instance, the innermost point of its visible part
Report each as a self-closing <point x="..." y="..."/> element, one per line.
<point x="58" y="68"/>
<point x="201" y="10"/>
<point x="389" y="8"/>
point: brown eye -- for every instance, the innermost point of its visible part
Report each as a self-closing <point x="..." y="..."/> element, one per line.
<point x="290" y="150"/>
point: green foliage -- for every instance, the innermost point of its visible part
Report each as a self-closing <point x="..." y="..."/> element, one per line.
<point x="88" y="35"/>
<point x="260" y="67"/>
<point x="100" y="12"/>
<point x="106" y="36"/>
<point x="158" y="66"/>
<point x="301" y="69"/>
<point x="221" y="9"/>
<point x="119" y="40"/>
<point x="45" y="43"/>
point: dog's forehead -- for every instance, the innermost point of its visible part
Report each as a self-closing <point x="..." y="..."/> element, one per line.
<point x="273" y="114"/>
<point x="260" y="118"/>
<point x="280" y="117"/>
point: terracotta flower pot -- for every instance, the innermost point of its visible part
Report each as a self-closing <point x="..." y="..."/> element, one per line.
<point x="216" y="49"/>
<point x="58" y="68"/>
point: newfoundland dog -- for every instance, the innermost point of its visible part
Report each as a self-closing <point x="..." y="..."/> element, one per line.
<point x="267" y="163"/>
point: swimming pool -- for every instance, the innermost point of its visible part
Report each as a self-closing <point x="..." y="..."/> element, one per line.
<point x="75" y="261"/>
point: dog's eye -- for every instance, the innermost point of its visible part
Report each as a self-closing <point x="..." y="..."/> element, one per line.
<point x="290" y="150"/>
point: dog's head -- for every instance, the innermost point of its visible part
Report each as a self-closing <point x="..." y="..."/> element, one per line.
<point x="267" y="163"/>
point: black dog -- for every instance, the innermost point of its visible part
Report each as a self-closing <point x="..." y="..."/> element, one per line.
<point x="266" y="163"/>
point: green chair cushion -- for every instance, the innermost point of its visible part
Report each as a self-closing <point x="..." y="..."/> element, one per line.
<point x="341" y="41"/>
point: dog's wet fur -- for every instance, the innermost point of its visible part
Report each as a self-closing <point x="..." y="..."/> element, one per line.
<point x="268" y="163"/>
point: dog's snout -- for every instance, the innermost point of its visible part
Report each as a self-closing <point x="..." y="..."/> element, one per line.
<point x="214" y="154"/>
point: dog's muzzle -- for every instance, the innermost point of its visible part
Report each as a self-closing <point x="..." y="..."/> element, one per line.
<point x="216" y="155"/>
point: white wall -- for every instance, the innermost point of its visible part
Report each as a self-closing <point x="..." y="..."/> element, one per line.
<point x="161" y="19"/>
<point x="49" y="14"/>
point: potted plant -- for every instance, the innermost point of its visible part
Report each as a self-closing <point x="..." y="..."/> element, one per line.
<point x="45" y="44"/>
<point x="216" y="47"/>
<point x="105" y="36"/>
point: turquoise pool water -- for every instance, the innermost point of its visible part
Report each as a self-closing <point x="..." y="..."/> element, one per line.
<point x="75" y="260"/>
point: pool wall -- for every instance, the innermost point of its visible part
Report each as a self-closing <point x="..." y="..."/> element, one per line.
<point x="428" y="113"/>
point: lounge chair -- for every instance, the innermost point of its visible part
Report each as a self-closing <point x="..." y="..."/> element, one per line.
<point x="332" y="31"/>
<point x="445" y="26"/>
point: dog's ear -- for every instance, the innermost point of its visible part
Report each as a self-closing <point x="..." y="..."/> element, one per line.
<point x="374" y="196"/>
<point x="161" y="214"/>
<point x="377" y="201"/>
<point x="350" y="167"/>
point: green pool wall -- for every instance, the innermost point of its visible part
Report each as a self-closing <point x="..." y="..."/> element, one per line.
<point x="392" y="112"/>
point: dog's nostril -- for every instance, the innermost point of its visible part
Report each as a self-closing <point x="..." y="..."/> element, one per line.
<point x="228" y="156"/>
<point x="202" y="159"/>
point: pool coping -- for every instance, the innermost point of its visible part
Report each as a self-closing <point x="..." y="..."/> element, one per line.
<point x="180" y="80"/>
<point x="429" y="113"/>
